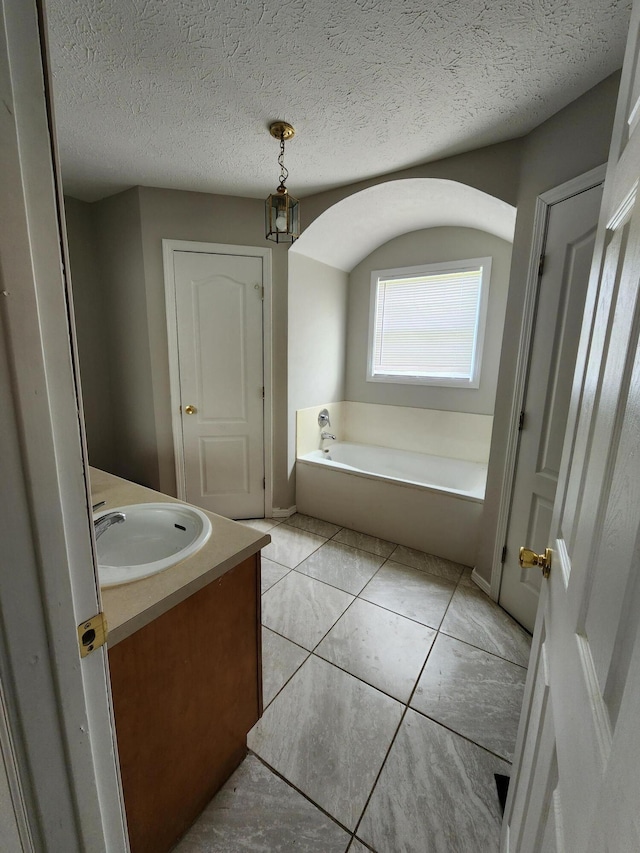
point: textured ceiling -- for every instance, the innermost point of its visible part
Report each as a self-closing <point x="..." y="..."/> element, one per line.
<point x="350" y="230"/>
<point x="179" y="93"/>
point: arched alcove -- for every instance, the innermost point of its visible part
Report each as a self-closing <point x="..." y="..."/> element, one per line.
<point x="351" y="229"/>
<point x="337" y="242"/>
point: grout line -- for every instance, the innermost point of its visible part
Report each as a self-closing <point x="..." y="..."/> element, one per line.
<point x="508" y="761"/>
<point x="273" y="770"/>
<point x="481" y="649"/>
<point x="359" y="678"/>
<point x="276" y="563"/>
<point x="382" y="766"/>
<point x="396" y="613"/>
<point x="395" y="736"/>
<point x="295" y="672"/>
<point x="275" y="582"/>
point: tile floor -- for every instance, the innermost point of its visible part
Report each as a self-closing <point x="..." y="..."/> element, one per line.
<point x="392" y="691"/>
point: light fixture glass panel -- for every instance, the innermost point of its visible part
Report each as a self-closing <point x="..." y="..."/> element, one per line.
<point x="282" y="218"/>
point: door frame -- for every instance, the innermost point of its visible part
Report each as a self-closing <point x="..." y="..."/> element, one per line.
<point x="544" y="202"/>
<point x="168" y="248"/>
<point x="57" y="736"/>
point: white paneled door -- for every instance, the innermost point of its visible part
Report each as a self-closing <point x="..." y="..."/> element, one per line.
<point x="219" y="323"/>
<point x="576" y="780"/>
<point x="568" y="250"/>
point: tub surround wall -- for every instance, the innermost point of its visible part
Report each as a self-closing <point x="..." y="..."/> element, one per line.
<point x="456" y="434"/>
<point x="433" y="245"/>
<point x="442" y="433"/>
<point x="308" y="431"/>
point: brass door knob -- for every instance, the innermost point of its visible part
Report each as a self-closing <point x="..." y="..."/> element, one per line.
<point x="190" y="410"/>
<point x="529" y="558"/>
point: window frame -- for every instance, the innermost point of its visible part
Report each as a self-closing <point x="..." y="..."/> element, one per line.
<point x="481" y="321"/>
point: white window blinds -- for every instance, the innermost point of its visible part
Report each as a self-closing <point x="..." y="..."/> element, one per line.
<point x="427" y="325"/>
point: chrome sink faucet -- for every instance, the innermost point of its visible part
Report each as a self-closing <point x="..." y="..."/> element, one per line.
<point x="330" y="435"/>
<point x="104" y="523"/>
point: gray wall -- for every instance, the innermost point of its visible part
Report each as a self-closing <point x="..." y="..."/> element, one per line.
<point x="494" y="170"/>
<point x="570" y="143"/>
<point x="90" y="305"/>
<point x="432" y="245"/>
<point x="119" y="237"/>
<point x="317" y="336"/>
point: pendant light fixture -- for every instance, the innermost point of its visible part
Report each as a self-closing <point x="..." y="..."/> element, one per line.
<point x="282" y="211"/>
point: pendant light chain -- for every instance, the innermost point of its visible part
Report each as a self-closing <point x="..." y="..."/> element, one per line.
<point x="284" y="172"/>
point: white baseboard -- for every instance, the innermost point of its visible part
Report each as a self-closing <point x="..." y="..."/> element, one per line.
<point x="484" y="585"/>
<point x="283" y="513"/>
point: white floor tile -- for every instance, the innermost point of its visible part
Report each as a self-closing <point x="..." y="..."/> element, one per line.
<point x="358" y="847"/>
<point x="264" y="525"/>
<point x="290" y="546"/>
<point x="271" y="573"/>
<point x="365" y="542"/>
<point x="380" y="647"/>
<point x="427" y="563"/>
<point x="472" y="692"/>
<point x="313" y="525"/>
<point x="256" y="812"/>
<point x="328" y="733"/>
<point x="342" y="566"/>
<point x="303" y="609"/>
<point x="410" y="592"/>
<point x="280" y="659"/>
<point x="476" y="619"/>
<point x="436" y="793"/>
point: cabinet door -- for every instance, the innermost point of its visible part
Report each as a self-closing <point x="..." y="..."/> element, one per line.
<point x="186" y="690"/>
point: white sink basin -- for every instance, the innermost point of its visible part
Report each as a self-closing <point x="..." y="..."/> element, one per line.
<point x="154" y="537"/>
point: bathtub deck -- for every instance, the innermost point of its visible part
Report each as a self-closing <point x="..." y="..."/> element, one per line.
<point x="392" y="690"/>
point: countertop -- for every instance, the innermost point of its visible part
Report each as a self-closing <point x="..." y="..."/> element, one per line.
<point x="131" y="606"/>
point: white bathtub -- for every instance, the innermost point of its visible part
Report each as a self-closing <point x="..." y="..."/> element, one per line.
<point x="431" y="503"/>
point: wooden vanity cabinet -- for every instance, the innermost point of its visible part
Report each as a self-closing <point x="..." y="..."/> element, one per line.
<point x="186" y="690"/>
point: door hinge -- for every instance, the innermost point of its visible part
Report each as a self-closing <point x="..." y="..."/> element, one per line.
<point x="92" y="634"/>
<point x="264" y="482"/>
<point x="521" y="422"/>
<point x="263" y="392"/>
<point x="503" y="557"/>
<point x="541" y="266"/>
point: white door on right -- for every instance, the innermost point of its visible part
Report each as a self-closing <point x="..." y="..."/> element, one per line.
<point x="575" y="785"/>
<point x="562" y="288"/>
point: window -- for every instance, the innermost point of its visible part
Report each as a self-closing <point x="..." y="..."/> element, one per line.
<point x="427" y="323"/>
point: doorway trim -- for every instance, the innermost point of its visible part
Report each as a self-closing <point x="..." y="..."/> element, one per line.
<point x="168" y="248"/>
<point x="544" y="202"/>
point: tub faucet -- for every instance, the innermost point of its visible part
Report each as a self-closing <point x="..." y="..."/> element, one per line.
<point x="330" y="435"/>
<point x="104" y="523"/>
